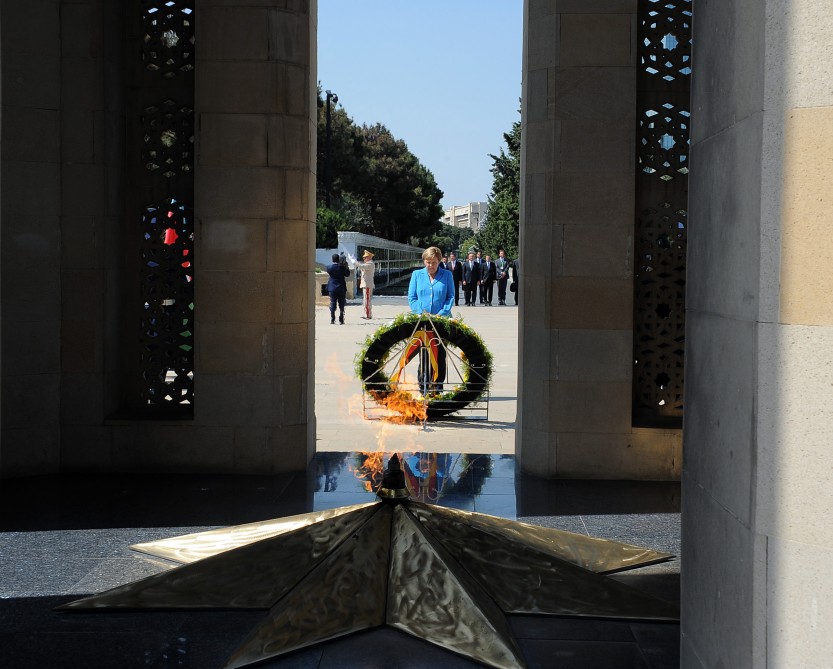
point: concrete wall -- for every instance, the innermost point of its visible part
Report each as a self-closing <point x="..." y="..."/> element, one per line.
<point x="757" y="581"/>
<point x="577" y="226"/>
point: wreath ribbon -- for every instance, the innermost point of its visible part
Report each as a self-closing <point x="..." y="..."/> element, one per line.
<point x="422" y="339"/>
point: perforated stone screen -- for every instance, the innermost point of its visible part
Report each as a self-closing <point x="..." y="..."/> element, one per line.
<point x="662" y="143"/>
<point x="166" y="244"/>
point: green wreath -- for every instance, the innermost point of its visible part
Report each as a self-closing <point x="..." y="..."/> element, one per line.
<point x="476" y="362"/>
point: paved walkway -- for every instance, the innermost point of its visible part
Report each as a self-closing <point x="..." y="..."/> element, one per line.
<point x="338" y="397"/>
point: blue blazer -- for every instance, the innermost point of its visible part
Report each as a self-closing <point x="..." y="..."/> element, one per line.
<point x="338" y="277"/>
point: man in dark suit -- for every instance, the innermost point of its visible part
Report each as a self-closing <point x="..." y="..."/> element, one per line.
<point x="502" y="264"/>
<point x="488" y="274"/>
<point x="337" y="287"/>
<point x="471" y="279"/>
<point x="456" y="268"/>
<point x="516" y="278"/>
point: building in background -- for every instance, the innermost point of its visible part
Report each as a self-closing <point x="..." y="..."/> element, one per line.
<point x="471" y="215"/>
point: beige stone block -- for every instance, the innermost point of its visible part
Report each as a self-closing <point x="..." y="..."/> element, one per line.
<point x="793" y="419"/>
<point x="31" y="245"/>
<point x="82" y="399"/>
<point x="288" y="245"/>
<point x="290" y="140"/>
<point x="294" y="86"/>
<point x="82" y="190"/>
<point x="806" y="254"/>
<point x="296" y="193"/>
<point x="589" y="407"/>
<point x="616" y="457"/>
<point x="294" y="295"/>
<point x="81" y="346"/>
<point x="248" y="87"/>
<point x="86" y="448"/>
<point x="247" y="192"/>
<point x="30" y="191"/>
<point x="289" y="37"/>
<point x="81" y="84"/>
<point x="82" y="135"/>
<point x="293" y="399"/>
<point x="534" y="449"/>
<point x="228" y="348"/>
<point x="32" y="347"/>
<point x="602" y="251"/>
<point x="594" y="197"/>
<point x="543" y="347"/>
<point x="30" y="450"/>
<point x="233" y="244"/>
<point x="542" y="42"/>
<point x="293" y="348"/>
<point x="35" y="137"/>
<point x="292" y="448"/>
<point x="252" y="450"/>
<point x="537" y="99"/>
<point x="597" y="39"/>
<point x="542" y="146"/>
<point x="32" y="296"/>
<point x="594" y="355"/>
<point x="82" y="294"/>
<point x="235" y="33"/>
<point x="81" y="32"/>
<point x="82" y="241"/>
<point x="30" y="81"/>
<point x="799" y="613"/>
<point x="245" y="297"/>
<point x="37" y="29"/>
<point x="31" y="399"/>
<point x="594" y="93"/>
<point x="537" y="9"/>
<point x="597" y="6"/>
<point x="592" y="303"/>
<point x="596" y="145"/>
<point x="536" y="200"/>
<point x="233" y="139"/>
<point x="235" y="399"/>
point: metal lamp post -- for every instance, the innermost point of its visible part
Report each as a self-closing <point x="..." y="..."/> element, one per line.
<point x="327" y="177"/>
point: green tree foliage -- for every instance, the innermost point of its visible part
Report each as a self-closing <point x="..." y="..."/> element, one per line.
<point x="503" y="219"/>
<point x="376" y="182"/>
<point x="450" y="238"/>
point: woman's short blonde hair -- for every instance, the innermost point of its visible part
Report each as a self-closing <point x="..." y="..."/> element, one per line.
<point x="432" y="252"/>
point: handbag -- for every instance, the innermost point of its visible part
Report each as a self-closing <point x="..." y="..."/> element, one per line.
<point x="513" y="287"/>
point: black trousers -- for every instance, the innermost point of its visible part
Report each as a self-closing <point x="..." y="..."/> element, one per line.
<point x="470" y="290"/>
<point x="501" y="289"/>
<point x="338" y="297"/>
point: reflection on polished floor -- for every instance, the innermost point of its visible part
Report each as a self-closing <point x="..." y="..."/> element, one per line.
<point x="64" y="537"/>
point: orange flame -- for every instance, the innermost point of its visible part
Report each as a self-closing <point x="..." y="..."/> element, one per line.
<point x="406" y="408"/>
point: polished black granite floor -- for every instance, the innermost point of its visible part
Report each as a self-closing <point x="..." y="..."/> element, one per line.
<point x="62" y="537"/>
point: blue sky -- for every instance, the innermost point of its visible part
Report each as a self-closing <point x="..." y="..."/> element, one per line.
<point x="442" y="75"/>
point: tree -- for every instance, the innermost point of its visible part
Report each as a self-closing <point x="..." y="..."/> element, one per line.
<point x="402" y="195"/>
<point x="502" y="225"/>
<point x="377" y="184"/>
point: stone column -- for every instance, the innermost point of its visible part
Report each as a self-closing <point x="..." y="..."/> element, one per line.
<point x="757" y="494"/>
<point x="255" y="201"/>
<point x="577" y="223"/>
<point x="30" y="174"/>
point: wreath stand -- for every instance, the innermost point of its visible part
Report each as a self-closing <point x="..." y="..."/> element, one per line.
<point x="426" y="337"/>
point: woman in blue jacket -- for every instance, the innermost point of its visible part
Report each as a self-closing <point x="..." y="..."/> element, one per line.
<point x="431" y="291"/>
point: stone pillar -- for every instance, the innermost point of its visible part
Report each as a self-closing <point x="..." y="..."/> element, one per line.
<point x="577" y="226"/>
<point x="255" y="203"/>
<point x="30" y="174"/>
<point x="757" y="494"/>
